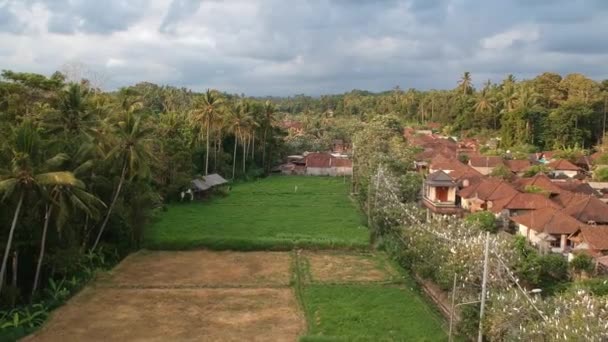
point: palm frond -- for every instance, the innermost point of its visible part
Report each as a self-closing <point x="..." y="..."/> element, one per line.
<point x="59" y="178"/>
<point x="57" y="161"/>
<point x="8" y="187"/>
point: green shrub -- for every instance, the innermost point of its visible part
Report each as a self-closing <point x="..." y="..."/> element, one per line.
<point x="485" y="220"/>
<point x="601" y="174"/>
<point x="582" y="262"/>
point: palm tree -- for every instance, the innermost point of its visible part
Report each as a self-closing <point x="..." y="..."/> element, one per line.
<point x="238" y="121"/>
<point x="66" y="199"/>
<point x="465" y="83"/>
<point x="204" y="115"/>
<point x="133" y="150"/>
<point x="269" y="120"/>
<point x="75" y="116"/>
<point x="27" y="176"/>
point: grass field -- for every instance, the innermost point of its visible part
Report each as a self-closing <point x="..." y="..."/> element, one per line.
<point x="369" y="313"/>
<point x="269" y="214"/>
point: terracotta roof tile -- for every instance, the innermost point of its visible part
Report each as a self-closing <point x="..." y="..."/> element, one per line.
<point x="486" y="161"/>
<point x="541" y="181"/>
<point x="595" y="236"/>
<point x="523" y="201"/>
<point x="563" y="164"/>
<point x="549" y="220"/>
<point x="518" y="165"/>
<point x="588" y="209"/>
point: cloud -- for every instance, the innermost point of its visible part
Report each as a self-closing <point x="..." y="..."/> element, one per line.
<point x="263" y="47"/>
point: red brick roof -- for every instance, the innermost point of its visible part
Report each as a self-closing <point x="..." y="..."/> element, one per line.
<point x="488" y="189"/>
<point x="318" y="160"/>
<point x="523" y="201"/>
<point x="541" y="181"/>
<point x="548" y="220"/>
<point x="486" y="161"/>
<point x="563" y="164"/>
<point x="576" y="186"/>
<point x="441" y="162"/>
<point x="595" y="236"/>
<point x="588" y="209"/>
<point x="518" y="165"/>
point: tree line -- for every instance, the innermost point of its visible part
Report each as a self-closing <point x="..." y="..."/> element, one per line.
<point x="82" y="170"/>
<point x="547" y="112"/>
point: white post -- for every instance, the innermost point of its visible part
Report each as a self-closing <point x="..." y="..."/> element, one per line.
<point x="484" y="282"/>
<point x="452" y="309"/>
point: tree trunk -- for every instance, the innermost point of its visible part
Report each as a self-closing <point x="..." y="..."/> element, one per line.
<point x="107" y="218"/>
<point x="47" y="218"/>
<point x="264" y="148"/>
<point x="244" y="154"/>
<point x="253" y="147"/>
<point x="15" y="268"/>
<point x="86" y="233"/>
<point x="234" y="157"/>
<point x="207" y="147"/>
<point x="10" y="240"/>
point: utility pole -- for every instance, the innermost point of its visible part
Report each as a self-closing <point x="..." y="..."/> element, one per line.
<point x="452" y="309"/>
<point x="484" y="283"/>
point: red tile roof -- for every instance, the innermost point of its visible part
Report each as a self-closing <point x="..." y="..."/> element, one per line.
<point x="488" y="189"/>
<point x="518" y="165"/>
<point x="541" y="181"/>
<point x="486" y="161"/>
<point x="595" y="236"/>
<point x="523" y="201"/>
<point x="563" y="164"/>
<point x="318" y="160"/>
<point x="588" y="209"/>
<point x="549" y="220"/>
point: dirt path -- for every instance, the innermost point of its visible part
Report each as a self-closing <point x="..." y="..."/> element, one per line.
<point x="184" y="296"/>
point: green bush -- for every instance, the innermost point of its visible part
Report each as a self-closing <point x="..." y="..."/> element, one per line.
<point x="601" y="174"/>
<point x="485" y="220"/>
<point x="582" y="262"/>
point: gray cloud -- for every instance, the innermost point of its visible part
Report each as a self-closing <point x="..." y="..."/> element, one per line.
<point x="263" y="47"/>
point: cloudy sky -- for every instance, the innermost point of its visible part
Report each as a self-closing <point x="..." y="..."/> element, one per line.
<point x="283" y="47"/>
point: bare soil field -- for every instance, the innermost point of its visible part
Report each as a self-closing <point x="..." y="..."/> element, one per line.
<point x="201" y="269"/>
<point x="106" y="314"/>
<point x="184" y="296"/>
<point x="336" y="267"/>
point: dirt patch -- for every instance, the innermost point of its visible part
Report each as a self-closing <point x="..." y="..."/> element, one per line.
<point x="340" y="268"/>
<point x="106" y="314"/>
<point x="201" y="269"/>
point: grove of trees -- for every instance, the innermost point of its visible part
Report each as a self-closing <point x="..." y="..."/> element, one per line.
<point x="82" y="170"/>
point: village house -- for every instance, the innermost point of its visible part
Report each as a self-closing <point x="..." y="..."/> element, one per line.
<point x="521" y="203"/>
<point x="485" y="164"/>
<point x="324" y="164"/>
<point x="540" y="181"/>
<point x="588" y="209"/>
<point x="518" y="166"/>
<point x="481" y="195"/>
<point x="548" y="229"/>
<point x="562" y="167"/>
<point x="439" y="194"/>
<point x="592" y="240"/>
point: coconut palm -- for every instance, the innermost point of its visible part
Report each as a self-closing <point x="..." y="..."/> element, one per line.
<point x="132" y="150"/>
<point x="66" y="200"/>
<point x="238" y="122"/>
<point x="204" y="114"/>
<point x="27" y="177"/>
<point x="465" y="83"/>
<point x="75" y="116"/>
<point x="269" y="120"/>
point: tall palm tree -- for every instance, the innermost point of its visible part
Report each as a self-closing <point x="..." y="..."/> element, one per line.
<point x="133" y="151"/>
<point x="204" y="115"/>
<point x="75" y="115"/>
<point x="66" y="200"/>
<point x="26" y="176"/>
<point x="465" y="83"/>
<point x="238" y="122"/>
<point x="269" y="121"/>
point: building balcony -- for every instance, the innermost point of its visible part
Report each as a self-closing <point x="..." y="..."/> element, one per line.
<point x="438" y="207"/>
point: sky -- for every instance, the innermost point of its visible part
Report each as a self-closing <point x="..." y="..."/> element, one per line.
<point x="286" y="47"/>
